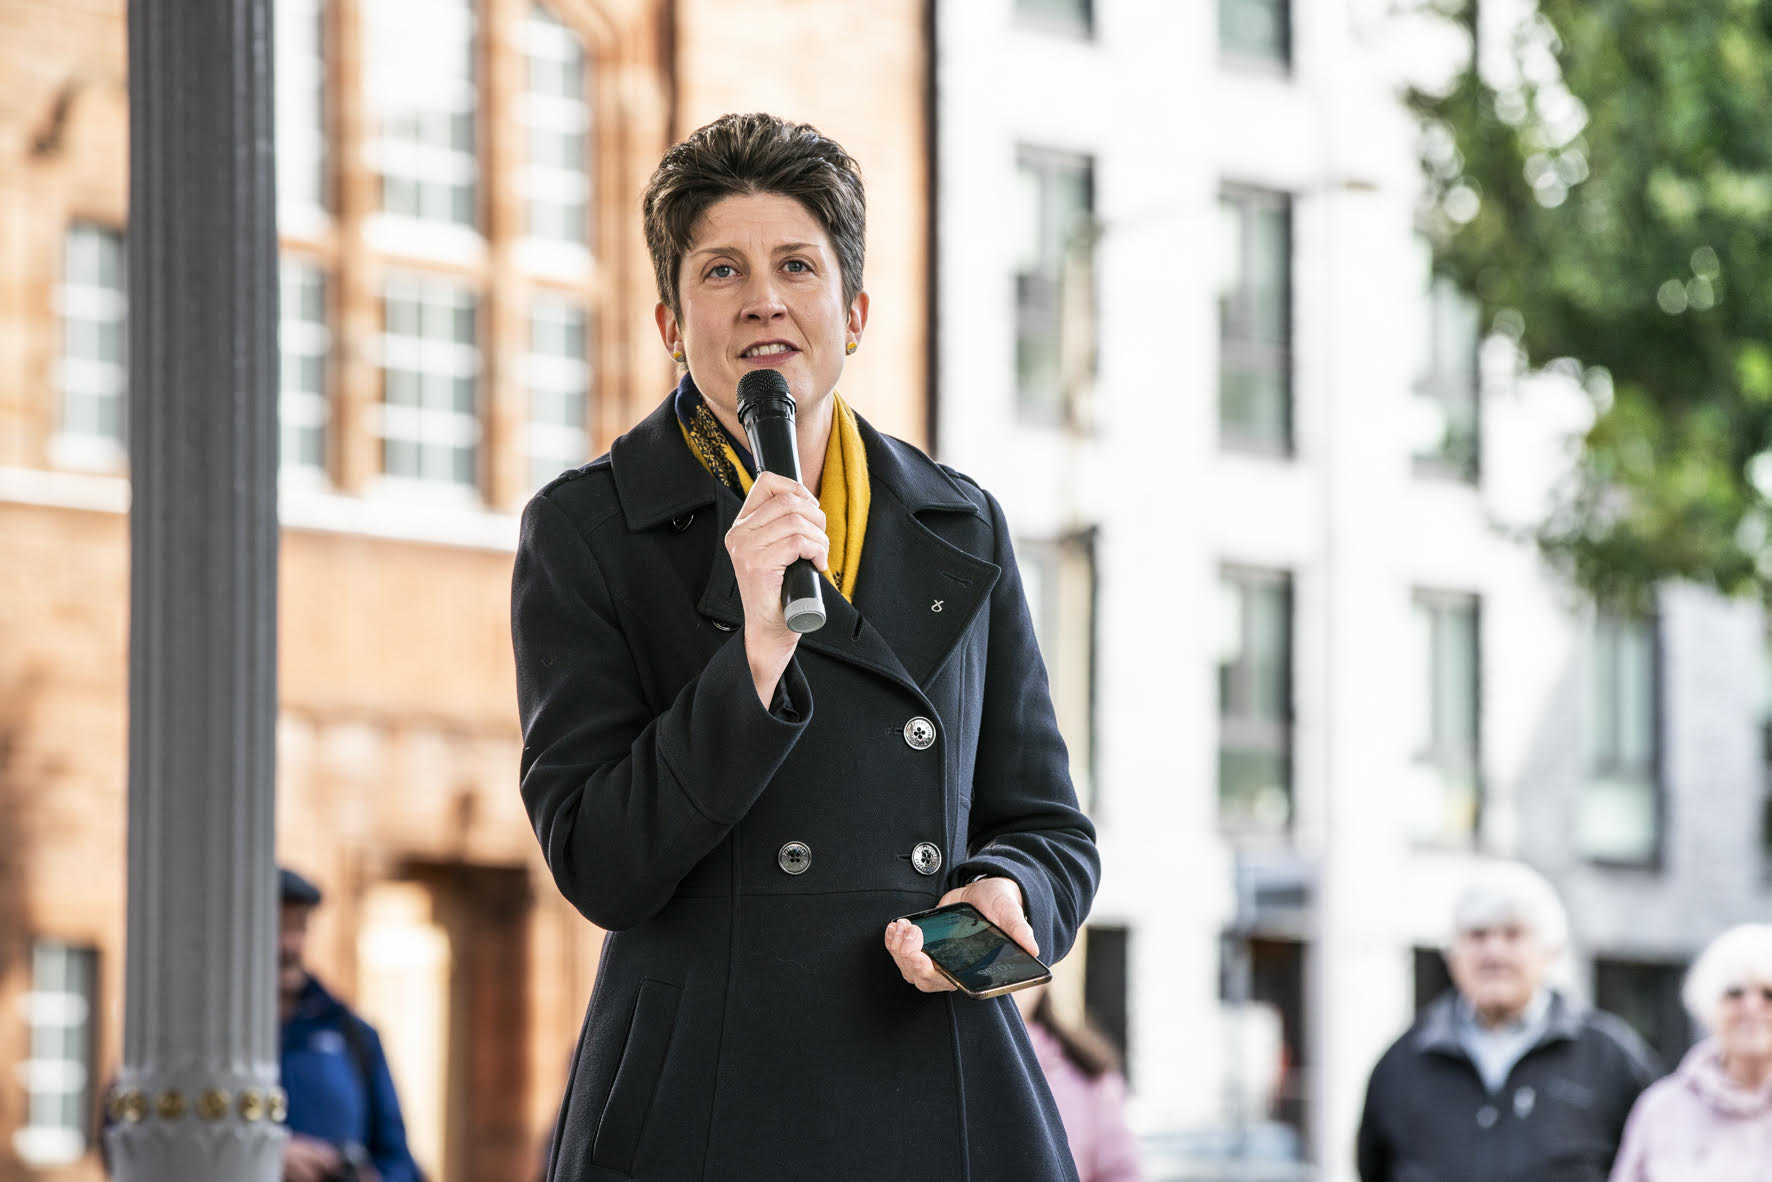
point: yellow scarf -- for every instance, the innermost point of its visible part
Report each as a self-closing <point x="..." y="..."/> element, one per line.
<point x="844" y="493"/>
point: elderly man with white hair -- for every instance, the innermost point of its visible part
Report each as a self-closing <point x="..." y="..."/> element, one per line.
<point x="1503" y="1079"/>
<point x="1712" y="1119"/>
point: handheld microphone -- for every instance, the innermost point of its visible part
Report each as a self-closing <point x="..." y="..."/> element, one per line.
<point x="766" y="409"/>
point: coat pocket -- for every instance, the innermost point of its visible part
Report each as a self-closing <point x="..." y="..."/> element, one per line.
<point x="636" y="1075"/>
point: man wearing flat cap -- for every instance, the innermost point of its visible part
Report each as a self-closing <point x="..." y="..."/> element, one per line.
<point x="344" y="1118"/>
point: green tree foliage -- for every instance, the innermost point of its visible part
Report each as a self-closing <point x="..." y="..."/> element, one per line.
<point x="1604" y="188"/>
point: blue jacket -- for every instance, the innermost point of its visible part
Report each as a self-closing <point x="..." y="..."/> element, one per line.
<point x="338" y="1083"/>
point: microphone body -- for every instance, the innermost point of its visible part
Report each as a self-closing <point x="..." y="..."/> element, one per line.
<point x="766" y="409"/>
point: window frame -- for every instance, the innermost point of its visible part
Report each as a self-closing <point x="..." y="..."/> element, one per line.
<point x="383" y="151"/>
<point x="530" y="363"/>
<point x="1440" y="385"/>
<point x="1436" y="601"/>
<point x="318" y="402"/>
<point x="48" y="1145"/>
<point x="1082" y="26"/>
<point x="1655" y="767"/>
<point x="294" y="144"/>
<point x="1241" y="351"/>
<point x="1236" y="58"/>
<point x="1060" y="407"/>
<point x="427" y="284"/>
<point x="1068" y="565"/>
<point x="78" y="448"/>
<point x="538" y="251"/>
<point x="1246" y="731"/>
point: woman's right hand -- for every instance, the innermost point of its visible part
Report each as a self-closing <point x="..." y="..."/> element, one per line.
<point x="779" y="523"/>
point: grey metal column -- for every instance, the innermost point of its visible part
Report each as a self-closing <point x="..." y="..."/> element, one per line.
<point x="197" y="1099"/>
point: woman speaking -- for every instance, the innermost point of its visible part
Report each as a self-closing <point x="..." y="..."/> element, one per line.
<point x="747" y="809"/>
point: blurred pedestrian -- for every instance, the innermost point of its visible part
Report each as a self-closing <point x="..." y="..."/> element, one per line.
<point x="1083" y="1071"/>
<point x="1503" y="1079"/>
<point x="1712" y="1119"/>
<point x="344" y="1118"/>
<point x="748" y="811"/>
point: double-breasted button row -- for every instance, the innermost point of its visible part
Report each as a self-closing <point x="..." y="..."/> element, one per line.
<point x="919" y="733"/>
<point x="795" y="857"/>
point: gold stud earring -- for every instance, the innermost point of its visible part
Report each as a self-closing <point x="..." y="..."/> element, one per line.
<point x="677" y="355"/>
<point x="850" y="347"/>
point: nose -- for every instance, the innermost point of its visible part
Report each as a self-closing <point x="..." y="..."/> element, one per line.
<point x="762" y="298"/>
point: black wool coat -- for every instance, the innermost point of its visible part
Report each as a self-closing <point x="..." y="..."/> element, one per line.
<point x="1558" y="1116"/>
<point x="747" y="1022"/>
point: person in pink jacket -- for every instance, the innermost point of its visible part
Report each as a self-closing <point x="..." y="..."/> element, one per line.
<point x="1083" y="1072"/>
<point x="1712" y="1119"/>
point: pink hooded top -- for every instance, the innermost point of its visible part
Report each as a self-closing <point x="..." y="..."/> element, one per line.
<point x="1093" y="1110"/>
<point x="1698" y="1124"/>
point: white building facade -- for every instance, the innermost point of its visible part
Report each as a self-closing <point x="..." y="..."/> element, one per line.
<point x="1268" y="498"/>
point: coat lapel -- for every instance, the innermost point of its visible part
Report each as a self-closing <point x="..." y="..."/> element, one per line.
<point x="917" y="593"/>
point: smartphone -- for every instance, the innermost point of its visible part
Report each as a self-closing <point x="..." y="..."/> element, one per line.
<point x="975" y="954"/>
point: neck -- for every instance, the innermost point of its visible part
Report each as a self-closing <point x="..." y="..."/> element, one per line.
<point x="812" y="429"/>
<point x="1750" y="1071"/>
<point x="1495" y="1017"/>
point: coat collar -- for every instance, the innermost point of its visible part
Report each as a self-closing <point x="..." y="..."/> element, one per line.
<point x="916" y="592"/>
<point x="658" y="478"/>
<point x="1437" y="1031"/>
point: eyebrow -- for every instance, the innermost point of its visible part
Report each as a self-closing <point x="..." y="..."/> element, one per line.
<point x="784" y="248"/>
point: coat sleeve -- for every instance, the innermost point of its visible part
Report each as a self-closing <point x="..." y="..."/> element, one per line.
<point x="625" y="800"/>
<point x="1025" y="823"/>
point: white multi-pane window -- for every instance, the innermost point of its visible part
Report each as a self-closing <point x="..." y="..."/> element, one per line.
<point x="1058" y="579"/>
<point x="57" y="1074"/>
<point x="1446" y="410"/>
<point x="558" y="375"/>
<point x="1255" y="700"/>
<point x="1620" y="818"/>
<point x="422" y="90"/>
<point x="1054" y="281"/>
<point x="301" y="111"/>
<point x="1255" y="320"/>
<point x="92" y="371"/>
<point x="304" y="341"/>
<point x="1446" y="792"/>
<point x="555" y="178"/>
<point x="1256" y="31"/>
<point x="429" y="415"/>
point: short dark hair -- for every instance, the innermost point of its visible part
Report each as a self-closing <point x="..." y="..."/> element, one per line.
<point x="740" y="155"/>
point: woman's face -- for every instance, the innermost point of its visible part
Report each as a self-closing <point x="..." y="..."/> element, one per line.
<point x="1744" y="1020"/>
<point x="760" y="288"/>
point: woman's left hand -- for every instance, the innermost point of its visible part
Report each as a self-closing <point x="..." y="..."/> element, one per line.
<point x="997" y="899"/>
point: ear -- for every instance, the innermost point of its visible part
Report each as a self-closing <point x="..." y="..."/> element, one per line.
<point x="667" y="327"/>
<point x="858" y="315"/>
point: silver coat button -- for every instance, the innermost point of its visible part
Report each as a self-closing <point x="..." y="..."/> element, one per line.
<point x="919" y="732"/>
<point x="794" y="858"/>
<point x="1486" y="1117"/>
<point x="925" y="857"/>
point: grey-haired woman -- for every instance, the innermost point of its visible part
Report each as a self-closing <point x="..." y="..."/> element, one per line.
<point x="1712" y="1118"/>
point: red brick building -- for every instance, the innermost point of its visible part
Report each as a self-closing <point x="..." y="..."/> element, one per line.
<point x="467" y="308"/>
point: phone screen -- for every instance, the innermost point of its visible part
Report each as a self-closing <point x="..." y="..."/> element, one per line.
<point x="979" y="954"/>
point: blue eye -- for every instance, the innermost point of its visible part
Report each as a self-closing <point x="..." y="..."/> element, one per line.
<point x="798" y="263"/>
<point x="714" y="272"/>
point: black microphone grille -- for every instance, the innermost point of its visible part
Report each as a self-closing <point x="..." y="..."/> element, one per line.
<point x="763" y="383"/>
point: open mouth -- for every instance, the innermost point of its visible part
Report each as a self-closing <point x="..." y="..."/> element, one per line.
<point x="767" y="350"/>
